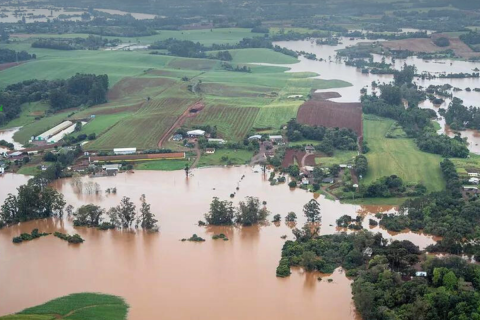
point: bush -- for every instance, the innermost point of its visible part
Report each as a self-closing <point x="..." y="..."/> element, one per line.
<point x="291" y="217"/>
<point x="106" y="226"/>
<point x="283" y="269"/>
<point x="292" y="184"/>
<point x="277" y="218"/>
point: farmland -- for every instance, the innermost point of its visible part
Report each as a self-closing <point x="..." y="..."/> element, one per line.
<point x="400" y="157"/>
<point x="331" y="114"/>
<point x="80" y="306"/>
<point x="148" y="93"/>
<point x="233" y="122"/>
<point x="224" y="157"/>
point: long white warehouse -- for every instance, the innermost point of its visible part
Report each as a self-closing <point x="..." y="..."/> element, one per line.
<point x="47" y="134"/>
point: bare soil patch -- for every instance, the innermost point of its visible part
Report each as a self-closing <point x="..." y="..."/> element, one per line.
<point x="427" y="45"/>
<point x="293" y="156"/>
<point x="4" y="66"/>
<point x="332" y="115"/>
<point x="130" y="86"/>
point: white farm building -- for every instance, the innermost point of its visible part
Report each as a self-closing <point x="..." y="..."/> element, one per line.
<point x="124" y="151"/>
<point x="55" y="130"/>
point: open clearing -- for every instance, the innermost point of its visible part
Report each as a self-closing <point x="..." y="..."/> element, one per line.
<point x="224" y="157"/>
<point x="399" y="157"/>
<point x="331" y="115"/>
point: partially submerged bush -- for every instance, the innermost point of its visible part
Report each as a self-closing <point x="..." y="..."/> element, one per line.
<point x="71" y="239"/>
<point x="27" y="237"/>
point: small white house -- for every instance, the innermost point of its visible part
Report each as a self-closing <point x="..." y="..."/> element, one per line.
<point x="2" y="170"/>
<point x="124" y="151"/>
<point x="210" y="150"/>
<point x="474" y="180"/>
<point x="473" y="174"/>
<point x="305" y="181"/>
<point x="309" y="168"/>
<point x="276" y="138"/>
<point x="196" y="133"/>
<point x="470" y="188"/>
<point x="420" y="274"/>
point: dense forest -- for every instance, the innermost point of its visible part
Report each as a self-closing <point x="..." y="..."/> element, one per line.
<point x="81" y="89"/>
<point x="459" y="117"/>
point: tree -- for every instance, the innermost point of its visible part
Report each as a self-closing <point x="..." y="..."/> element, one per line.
<point x="312" y="211"/>
<point x="88" y="215"/>
<point x="221" y="213"/>
<point x="249" y="212"/>
<point x="124" y="214"/>
<point x="291" y="217"/>
<point x="147" y="218"/>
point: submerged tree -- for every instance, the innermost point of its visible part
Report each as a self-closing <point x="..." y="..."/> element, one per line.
<point x="147" y="218"/>
<point x="221" y="213"/>
<point x="123" y="215"/>
<point x="312" y="211"/>
<point x="88" y="215"/>
<point x="250" y="212"/>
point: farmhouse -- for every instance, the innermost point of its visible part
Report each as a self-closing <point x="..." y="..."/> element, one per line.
<point x="474" y="180"/>
<point x="328" y="180"/>
<point x="111" y="169"/>
<point x="210" y="150"/>
<point x="309" y="149"/>
<point x="420" y="274"/>
<point x="196" y="133"/>
<point x="276" y="138"/>
<point x="124" y="151"/>
<point x="177" y="137"/>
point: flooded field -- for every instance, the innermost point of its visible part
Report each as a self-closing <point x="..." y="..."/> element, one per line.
<point x="232" y="279"/>
<point x="331" y="68"/>
<point x="7" y="135"/>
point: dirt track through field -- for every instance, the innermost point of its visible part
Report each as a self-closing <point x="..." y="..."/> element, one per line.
<point x="198" y="106"/>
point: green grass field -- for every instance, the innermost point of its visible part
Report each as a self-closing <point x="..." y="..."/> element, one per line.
<point x="236" y="102"/>
<point x="339" y="157"/>
<point x="233" y="158"/>
<point x="164" y="165"/>
<point x="79" y="306"/>
<point x="399" y="156"/>
<point x="29" y="112"/>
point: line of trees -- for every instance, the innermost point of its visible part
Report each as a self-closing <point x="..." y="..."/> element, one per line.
<point x="248" y="212"/>
<point x="7" y="55"/>
<point x="123" y="216"/>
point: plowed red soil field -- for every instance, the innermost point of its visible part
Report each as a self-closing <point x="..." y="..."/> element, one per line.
<point x="331" y="115"/>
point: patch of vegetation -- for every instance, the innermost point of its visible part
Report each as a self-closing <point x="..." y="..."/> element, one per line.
<point x="29" y="236"/>
<point x="75" y="239"/>
<point x="80" y="306"/>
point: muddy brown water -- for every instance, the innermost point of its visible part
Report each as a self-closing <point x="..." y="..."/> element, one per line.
<point x="164" y="278"/>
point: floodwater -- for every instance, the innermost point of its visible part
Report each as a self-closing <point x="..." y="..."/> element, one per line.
<point x="7" y="135"/>
<point x="158" y="274"/>
<point x="138" y="16"/>
<point x="331" y="68"/>
<point x="28" y="11"/>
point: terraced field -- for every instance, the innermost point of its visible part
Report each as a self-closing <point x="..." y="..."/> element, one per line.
<point x="144" y="128"/>
<point x="233" y="123"/>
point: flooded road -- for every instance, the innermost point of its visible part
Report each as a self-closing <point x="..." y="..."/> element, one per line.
<point x="158" y="274"/>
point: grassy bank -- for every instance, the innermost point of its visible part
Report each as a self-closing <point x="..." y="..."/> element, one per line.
<point x="400" y="157"/>
<point x="79" y="306"/>
<point x="225" y="157"/>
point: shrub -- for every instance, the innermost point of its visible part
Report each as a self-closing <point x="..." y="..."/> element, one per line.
<point x="292" y="184"/>
<point x="277" y="218"/>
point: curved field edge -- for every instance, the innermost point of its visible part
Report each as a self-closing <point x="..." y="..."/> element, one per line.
<point x="78" y="306"/>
